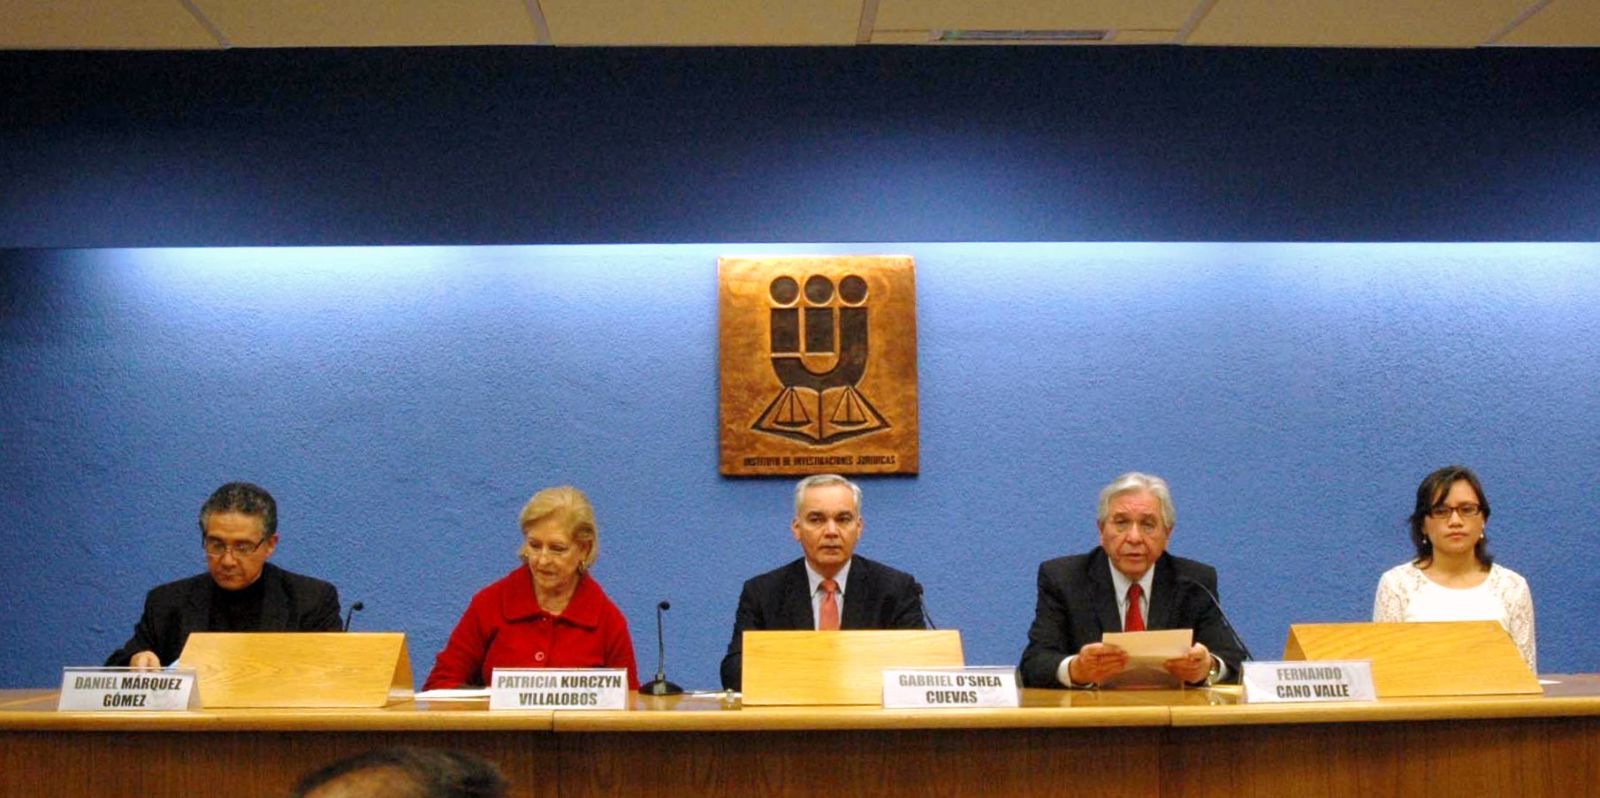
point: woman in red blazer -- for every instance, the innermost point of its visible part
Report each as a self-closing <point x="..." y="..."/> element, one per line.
<point x="548" y="612"/>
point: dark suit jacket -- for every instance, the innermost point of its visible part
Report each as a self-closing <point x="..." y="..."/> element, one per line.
<point x="290" y="603"/>
<point x="875" y="597"/>
<point x="1077" y="604"/>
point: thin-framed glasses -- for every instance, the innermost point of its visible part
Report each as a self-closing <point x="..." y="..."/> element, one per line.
<point x="531" y="550"/>
<point x="1467" y="510"/>
<point x="216" y="548"/>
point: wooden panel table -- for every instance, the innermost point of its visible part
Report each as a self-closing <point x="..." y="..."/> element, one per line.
<point x="701" y="746"/>
<point x="1545" y="745"/>
<point x="1193" y="742"/>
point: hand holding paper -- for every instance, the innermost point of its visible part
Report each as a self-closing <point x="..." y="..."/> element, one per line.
<point x="1097" y="662"/>
<point x="1148" y="656"/>
<point x="1193" y="666"/>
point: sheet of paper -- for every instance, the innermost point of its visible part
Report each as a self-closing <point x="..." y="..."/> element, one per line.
<point x="1146" y="652"/>
<point x="1150" y="649"/>
<point x="458" y="694"/>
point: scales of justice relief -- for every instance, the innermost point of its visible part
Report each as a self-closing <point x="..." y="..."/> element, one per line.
<point x="818" y="358"/>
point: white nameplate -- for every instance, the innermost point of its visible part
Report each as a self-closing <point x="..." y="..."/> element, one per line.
<point x="548" y="688"/>
<point x="1315" y="680"/>
<point x="126" y="690"/>
<point x="942" y="688"/>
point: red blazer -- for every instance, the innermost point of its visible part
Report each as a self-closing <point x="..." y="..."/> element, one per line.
<point x="505" y="628"/>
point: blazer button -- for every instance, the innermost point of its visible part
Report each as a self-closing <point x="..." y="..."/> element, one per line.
<point x="539" y="657"/>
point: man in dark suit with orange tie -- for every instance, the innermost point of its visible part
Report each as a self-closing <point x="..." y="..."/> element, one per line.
<point x="828" y="588"/>
<point x="1128" y="584"/>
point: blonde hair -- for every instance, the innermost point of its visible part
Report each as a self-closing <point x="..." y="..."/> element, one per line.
<point x="572" y="508"/>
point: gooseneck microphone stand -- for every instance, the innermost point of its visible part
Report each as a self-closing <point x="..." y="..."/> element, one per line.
<point x="660" y="685"/>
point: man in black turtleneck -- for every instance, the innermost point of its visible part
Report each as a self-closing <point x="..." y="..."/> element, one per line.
<point x="240" y="592"/>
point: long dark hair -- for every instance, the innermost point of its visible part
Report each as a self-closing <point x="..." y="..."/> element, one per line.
<point x="1429" y="494"/>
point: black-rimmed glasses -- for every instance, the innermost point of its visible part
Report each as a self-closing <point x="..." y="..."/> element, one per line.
<point x="1467" y="510"/>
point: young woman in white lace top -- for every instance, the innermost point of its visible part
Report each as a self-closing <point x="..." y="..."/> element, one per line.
<point x="1453" y="577"/>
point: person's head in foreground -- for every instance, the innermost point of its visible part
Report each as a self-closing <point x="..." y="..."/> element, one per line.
<point x="405" y="773"/>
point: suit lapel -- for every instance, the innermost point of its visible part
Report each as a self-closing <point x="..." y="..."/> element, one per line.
<point x="797" y="599"/>
<point x="274" y="602"/>
<point x="1103" y="593"/>
<point x="196" y="612"/>
<point x="1163" y="595"/>
<point x="860" y="598"/>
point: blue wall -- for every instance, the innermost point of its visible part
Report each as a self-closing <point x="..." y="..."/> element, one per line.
<point x="403" y="402"/>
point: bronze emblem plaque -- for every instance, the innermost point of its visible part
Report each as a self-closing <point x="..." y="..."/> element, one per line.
<point x="819" y="365"/>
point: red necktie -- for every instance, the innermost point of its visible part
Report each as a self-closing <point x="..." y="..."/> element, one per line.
<point x="1135" y="621"/>
<point x="828" y="618"/>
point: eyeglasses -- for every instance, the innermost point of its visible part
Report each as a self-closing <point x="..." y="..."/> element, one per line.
<point x="216" y="548"/>
<point x="532" y="550"/>
<point x="1122" y="525"/>
<point x="1467" y="510"/>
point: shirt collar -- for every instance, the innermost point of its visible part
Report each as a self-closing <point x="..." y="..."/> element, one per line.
<point x="1120" y="582"/>
<point x="814" y="579"/>
<point x="520" y="602"/>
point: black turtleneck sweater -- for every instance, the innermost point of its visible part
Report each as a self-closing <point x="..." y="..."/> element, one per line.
<point x="237" y="610"/>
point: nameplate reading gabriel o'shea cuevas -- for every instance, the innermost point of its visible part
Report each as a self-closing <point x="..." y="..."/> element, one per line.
<point x="546" y="688"/>
<point x="944" y="688"/>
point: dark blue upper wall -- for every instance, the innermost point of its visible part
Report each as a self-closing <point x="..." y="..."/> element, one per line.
<point x="537" y="145"/>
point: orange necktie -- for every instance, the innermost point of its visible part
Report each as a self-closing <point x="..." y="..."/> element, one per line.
<point x="829" y="616"/>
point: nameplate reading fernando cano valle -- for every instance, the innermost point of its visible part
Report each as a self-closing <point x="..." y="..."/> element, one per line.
<point x="818" y="359"/>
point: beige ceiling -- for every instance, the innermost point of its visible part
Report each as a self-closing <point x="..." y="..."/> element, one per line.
<point x="191" y="24"/>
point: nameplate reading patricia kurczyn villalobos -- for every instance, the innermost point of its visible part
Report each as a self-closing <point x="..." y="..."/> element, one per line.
<point x="549" y="688"/>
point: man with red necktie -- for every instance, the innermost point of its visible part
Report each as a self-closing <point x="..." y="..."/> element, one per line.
<point x="1128" y="584"/>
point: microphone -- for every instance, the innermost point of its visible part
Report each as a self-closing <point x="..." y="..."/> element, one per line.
<point x="927" y="619"/>
<point x="354" y="608"/>
<point x="1237" y="640"/>
<point x="660" y="685"/>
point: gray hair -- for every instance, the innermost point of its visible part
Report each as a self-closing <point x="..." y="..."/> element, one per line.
<point x="822" y="481"/>
<point x="1135" y="482"/>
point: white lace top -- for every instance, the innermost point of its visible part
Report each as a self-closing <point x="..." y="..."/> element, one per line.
<point x="1407" y="594"/>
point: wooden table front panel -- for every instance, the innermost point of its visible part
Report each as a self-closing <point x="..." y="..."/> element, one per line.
<point x="871" y="764"/>
<point x="1512" y="757"/>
